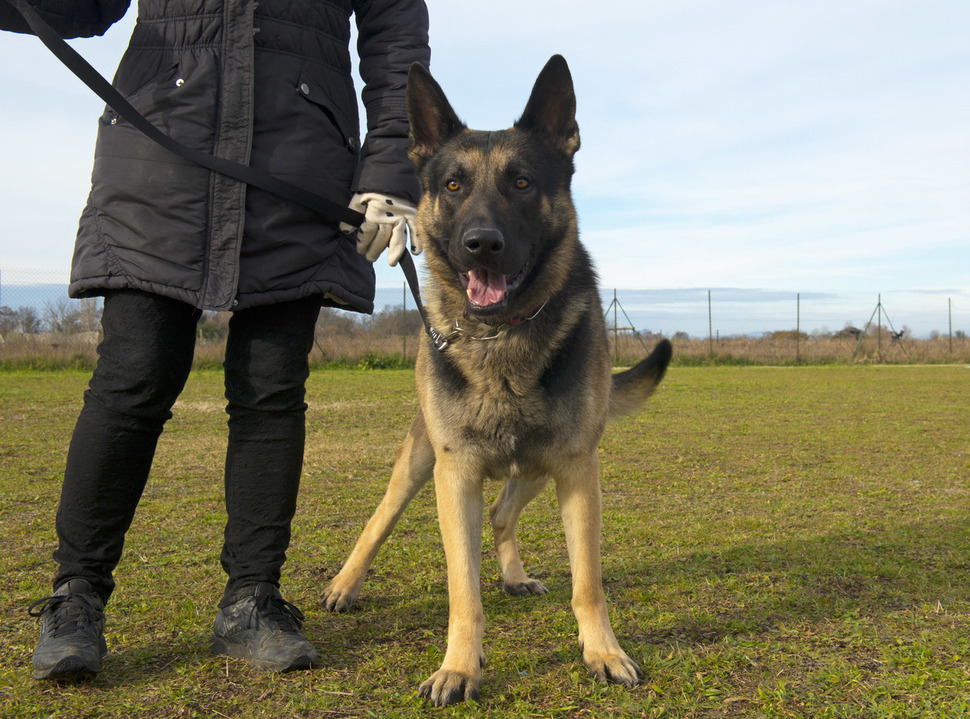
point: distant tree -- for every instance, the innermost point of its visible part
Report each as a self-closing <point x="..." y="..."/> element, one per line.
<point x="788" y="335"/>
<point x="848" y="332"/>
<point x="340" y="322"/>
<point x="22" y="319"/>
<point x="394" y="320"/>
<point x="8" y="320"/>
<point x="213" y="326"/>
<point x="28" y="320"/>
<point x="70" y="317"/>
<point x="89" y="310"/>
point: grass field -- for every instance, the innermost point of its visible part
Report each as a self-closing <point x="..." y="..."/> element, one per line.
<point x="778" y="542"/>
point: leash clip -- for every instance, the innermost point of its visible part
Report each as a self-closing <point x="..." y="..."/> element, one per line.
<point x="441" y="340"/>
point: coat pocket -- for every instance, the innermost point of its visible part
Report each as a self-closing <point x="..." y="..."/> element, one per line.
<point x="141" y="98"/>
<point x="314" y="92"/>
<point x="179" y="100"/>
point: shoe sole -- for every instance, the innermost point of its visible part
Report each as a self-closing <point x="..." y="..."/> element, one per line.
<point x="68" y="668"/>
<point x="240" y="651"/>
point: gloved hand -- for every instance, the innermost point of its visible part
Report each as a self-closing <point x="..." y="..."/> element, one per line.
<point x="387" y="222"/>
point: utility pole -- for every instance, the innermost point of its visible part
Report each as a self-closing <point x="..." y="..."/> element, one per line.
<point x="949" y="307"/>
<point x="710" y="329"/>
<point x="877" y="312"/>
<point x="617" y="307"/>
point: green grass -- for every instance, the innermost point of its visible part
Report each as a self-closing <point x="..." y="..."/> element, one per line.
<point x="777" y="543"/>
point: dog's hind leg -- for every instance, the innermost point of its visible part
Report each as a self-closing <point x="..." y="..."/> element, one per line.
<point x="504" y="515"/>
<point x="412" y="470"/>
<point x="578" y="491"/>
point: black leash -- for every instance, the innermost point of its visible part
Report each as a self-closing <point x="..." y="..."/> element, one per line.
<point x="237" y="171"/>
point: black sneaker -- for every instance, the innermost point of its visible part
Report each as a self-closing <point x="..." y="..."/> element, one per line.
<point x="71" y="642"/>
<point x="264" y="629"/>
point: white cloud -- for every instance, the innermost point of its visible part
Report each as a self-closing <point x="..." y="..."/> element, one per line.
<point x="752" y="143"/>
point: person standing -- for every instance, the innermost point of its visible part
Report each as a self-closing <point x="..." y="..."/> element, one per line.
<point x="266" y="84"/>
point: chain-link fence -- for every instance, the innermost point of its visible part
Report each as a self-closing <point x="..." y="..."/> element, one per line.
<point x="736" y="325"/>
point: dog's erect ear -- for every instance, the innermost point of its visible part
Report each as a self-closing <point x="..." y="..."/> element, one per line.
<point x="551" y="110"/>
<point x="431" y="117"/>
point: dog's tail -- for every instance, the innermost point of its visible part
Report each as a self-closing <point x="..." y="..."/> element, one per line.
<point x="632" y="387"/>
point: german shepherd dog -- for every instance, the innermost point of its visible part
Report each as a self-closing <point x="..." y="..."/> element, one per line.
<point x="521" y="387"/>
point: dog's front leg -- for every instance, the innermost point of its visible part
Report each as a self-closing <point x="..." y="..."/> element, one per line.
<point x="412" y="470"/>
<point x="578" y="491"/>
<point x="460" y="510"/>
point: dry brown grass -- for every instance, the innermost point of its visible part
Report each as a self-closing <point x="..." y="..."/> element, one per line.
<point x="806" y="350"/>
<point x="353" y="346"/>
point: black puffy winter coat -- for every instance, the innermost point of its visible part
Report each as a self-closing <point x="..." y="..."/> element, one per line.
<point x="262" y="82"/>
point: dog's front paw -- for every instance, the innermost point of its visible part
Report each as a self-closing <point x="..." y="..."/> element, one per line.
<point x="616" y="667"/>
<point x="446" y="687"/>
<point x="338" y="597"/>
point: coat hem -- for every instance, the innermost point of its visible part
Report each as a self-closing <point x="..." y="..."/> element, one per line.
<point x="334" y="295"/>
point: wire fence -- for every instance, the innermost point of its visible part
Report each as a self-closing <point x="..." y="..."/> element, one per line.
<point x="717" y="324"/>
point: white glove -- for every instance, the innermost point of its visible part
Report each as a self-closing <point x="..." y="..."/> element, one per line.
<point x="387" y="222"/>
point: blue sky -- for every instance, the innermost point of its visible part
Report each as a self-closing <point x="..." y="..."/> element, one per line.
<point x="812" y="147"/>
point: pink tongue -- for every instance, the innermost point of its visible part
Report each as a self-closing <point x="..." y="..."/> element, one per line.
<point x="485" y="288"/>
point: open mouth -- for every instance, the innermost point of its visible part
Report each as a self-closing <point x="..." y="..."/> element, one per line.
<point x="489" y="290"/>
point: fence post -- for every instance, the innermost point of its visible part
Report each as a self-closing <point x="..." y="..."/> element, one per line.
<point x="710" y="329"/>
<point x="879" y="328"/>
<point x="798" y="327"/>
<point x="616" y="333"/>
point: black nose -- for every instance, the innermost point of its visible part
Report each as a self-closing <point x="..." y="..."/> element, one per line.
<point x="483" y="242"/>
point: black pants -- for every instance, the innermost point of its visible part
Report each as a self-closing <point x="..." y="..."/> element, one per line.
<point x="144" y="361"/>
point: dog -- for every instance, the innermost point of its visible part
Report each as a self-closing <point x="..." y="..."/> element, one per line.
<point x="518" y="386"/>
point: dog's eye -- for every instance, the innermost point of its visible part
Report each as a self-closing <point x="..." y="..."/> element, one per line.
<point x="522" y="183"/>
<point x="452" y="185"/>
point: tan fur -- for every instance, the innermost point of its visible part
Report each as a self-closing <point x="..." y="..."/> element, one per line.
<point x="493" y="409"/>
